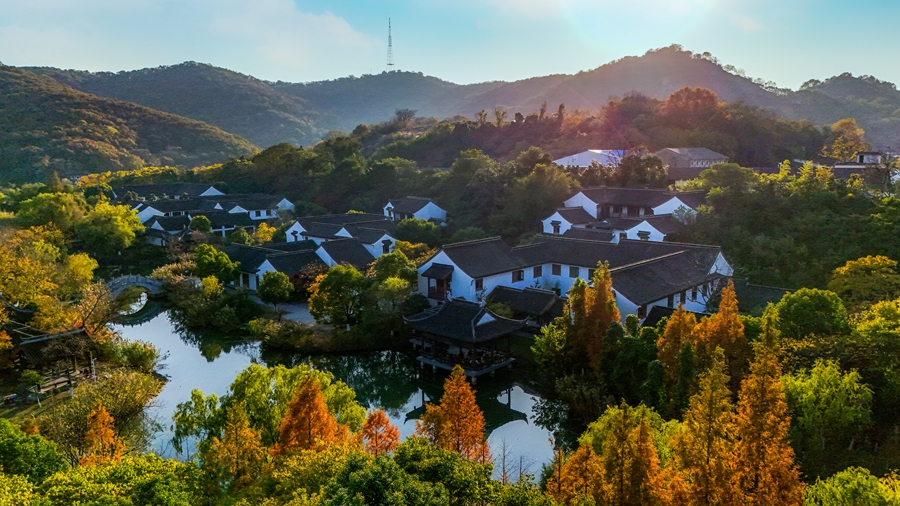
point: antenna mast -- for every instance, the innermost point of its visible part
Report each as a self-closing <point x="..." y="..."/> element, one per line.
<point x="390" y="55"/>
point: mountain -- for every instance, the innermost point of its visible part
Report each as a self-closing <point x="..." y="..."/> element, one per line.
<point x="47" y="126"/>
<point x="300" y="113"/>
<point x="234" y="102"/>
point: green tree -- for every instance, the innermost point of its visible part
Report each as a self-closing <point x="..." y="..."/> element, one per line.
<point x="851" y="487"/>
<point x="108" y="228"/>
<point x="31" y="456"/>
<point x="829" y="410"/>
<point x="211" y="262"/>
<point x="380" y="482"/>
<point x="467" y="234"/>
<point x="63" y="210"/>
<point x="393" y="265"/>
<point x="640" y="171"/>
<point x="239" y="236"/>
<point x="865" y="281"/>
<point x="17" y="491"/>
<point x="336" y="296"/>
<point x="201" y="223"/>
<point x="275" y="288"/>
<point x="811" y="312"/>
<point x="416" y="230"/>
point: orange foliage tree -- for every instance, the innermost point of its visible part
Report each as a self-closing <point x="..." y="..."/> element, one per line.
<point x="702" y="466"/>
<point x="379" y="434"/>
<point x="679" y="329"/>
<point x="577" y="477"/>
<point x="766" y="473"/>
<point x="591" y="310"/>
<point x="308" y="424"/>
<point x="102" y="443"/>
<point x="725" y="330"/>
<point x="456" y="424"/>
<point x="240" y="454"/>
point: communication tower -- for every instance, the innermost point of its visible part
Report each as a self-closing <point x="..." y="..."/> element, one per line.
<point x="390" y="55"/>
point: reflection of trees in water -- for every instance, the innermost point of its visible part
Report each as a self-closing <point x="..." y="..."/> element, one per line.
<point x="212" y="343"/>
<point x="385" y="379"/>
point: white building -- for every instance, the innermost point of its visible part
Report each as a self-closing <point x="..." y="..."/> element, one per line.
<point x="605" y="157"/>
<point x="415" y="207"/>
<point x="644" y="273"/>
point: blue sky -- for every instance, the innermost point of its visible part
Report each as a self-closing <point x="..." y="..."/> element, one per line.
<point x="464" y="41"/>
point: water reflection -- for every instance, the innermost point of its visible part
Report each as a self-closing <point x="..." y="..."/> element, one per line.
<point x="393" y="380"/>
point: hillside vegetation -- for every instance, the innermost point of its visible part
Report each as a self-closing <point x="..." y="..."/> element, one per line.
<point x="299" y="113"/>
<point x="47" y="126"/>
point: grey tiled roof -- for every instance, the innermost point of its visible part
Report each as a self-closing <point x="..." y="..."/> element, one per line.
<point x="575" y="215"/>
<point x="160" y="189"/>
<point x="292" y="262"/>
<point x="695" y="153"/>
<point x="220" y="219"/>
<point x="349" y="251"/>
<point x="643" y="197"/>
<point x="409" y="205"/>
<point x="655" y="279"/>
<point x="589" y="234"/>
<point x="457" y="320"/>
<point x="531" y="301"/>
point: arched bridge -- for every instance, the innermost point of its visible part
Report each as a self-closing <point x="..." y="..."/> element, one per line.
<point x="118" y="285"/>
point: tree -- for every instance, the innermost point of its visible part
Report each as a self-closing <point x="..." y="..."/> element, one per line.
<point x="765" y="472"/>
<point x="275" y="288"/>
<point x="416" y="230"/>
<point x="829" y="410"/>
<point x="499" y="116"/>
<point x="640" y="171"/>
<point x="380" y="436"/>
<point x="467" y="234"/>
<point x="404" y="116"/>
<point x="239" y="236"/>
<point x="865" y="281"/>
<point x="847" y="141"/>
<point x="702" y="464"/>
<point x="679" y="329"/>
<point x="593" y="310"/>
<point x="481" y="118"/>
<point x="307" y="423"/>
<point x="336" y="296"/>
<point x="264" y="233"/>
<point x="393" y="265"/>
<point x="200" y="223"/>
<point x="108" y="228"/>
<point x="851" y="487"/>
<point x="211" y="262"/>
<point x="380" y="482"/>
<point x="102" y="443"/>
<point x="811" y="312"/>
<point x="456" y="424"/>
<point x="63" y="210"/>
<point x="239" y="455"/>
<point x="725" y="330"/>
<point x="29" y="455"/>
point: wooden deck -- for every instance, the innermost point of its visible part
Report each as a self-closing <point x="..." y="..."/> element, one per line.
<point x="471" y="373"/>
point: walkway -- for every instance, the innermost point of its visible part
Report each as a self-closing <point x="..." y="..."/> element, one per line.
<point x="295" y="311"/>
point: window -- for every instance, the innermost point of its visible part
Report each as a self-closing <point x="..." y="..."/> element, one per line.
<point x="591" y="274"/>
<point x="385" y="247"/>
<point x="642" y="312"/>
<point x="555" y="225"/>
<point x="257" y="213"/>
<point x="479" y="284"/>
<point x="623" y="235"/>
<point x="556" y="269"/>
<point x="683" y="297"/>
<point x="537" y="272"/>
<point x="694" y="293"/>
<point x="573" y="271"/>
<point x="518" y="276"/>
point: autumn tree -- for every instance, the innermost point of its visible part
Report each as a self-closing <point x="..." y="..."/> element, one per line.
<point x="725" y="330"/>
<point x="765" y="472"/>
<point x="847" y="140"/>
<point x="866" y="281"/>
<point x="239" y="456"/>
<point x="629" y="459"/>
<point x="108" y="228"/>
<point x="679" y="329"/>
<point x="380" y="436"/>
<point x="263" y="234"/>
<point x="102" y="443"/>
<point x="457" y="423"/>
<point x="702" y="466"/>
<point x="307" y="423"/>
<point x="575" y="477"/>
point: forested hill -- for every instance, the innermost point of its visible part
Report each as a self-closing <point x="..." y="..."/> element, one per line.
<point x="234" y="102"/>
<point x="300" y="113"/>
<point x="46" y="126"/>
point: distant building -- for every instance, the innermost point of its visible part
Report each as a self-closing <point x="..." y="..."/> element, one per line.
<point x="415" y="207"/>
<point x="687" y="163"/>
<point x="175" y="191"/>
<point x="605" y="157"/>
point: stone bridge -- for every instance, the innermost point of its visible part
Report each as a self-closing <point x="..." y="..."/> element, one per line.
<point x="118" y="285"/>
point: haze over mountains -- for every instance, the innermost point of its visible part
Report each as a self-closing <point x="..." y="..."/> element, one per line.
<point x="266" y="113"/>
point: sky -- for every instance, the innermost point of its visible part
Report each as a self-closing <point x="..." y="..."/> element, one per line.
<point x="463" y="41"/>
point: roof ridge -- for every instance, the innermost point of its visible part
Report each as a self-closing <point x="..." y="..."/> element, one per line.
<point x="473" y="241"/>
<point x="647" y="261"/>
<point x="672" y="243"/>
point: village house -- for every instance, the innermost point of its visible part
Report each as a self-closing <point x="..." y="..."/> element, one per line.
<point x="605" y="157"/>
<point x="415" y="207"/>
<point x="374" y="231"/>
<point x="161" y="191"/>
<point x="687" y="163"/>
<point x="625" y="213"/>
<point x="644" y="273"/>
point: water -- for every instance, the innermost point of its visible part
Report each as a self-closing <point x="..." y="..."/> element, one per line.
<point x="390" y="380"/>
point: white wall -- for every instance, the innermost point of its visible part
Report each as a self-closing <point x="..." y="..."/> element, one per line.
<point x="580" y="200"/>
<point x="655" y="235"/>
<point x="147" y="213"/>
<point x="376" y="248"/>
<point x="563" y="224"/>
<point x="210" y="192"/>
<point x="461" y="284"/>
<point x="669" y="206"/>
<point x="295" y="227"/>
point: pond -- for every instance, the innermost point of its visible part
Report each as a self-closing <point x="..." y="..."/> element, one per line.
<point x="389" y="379"/>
